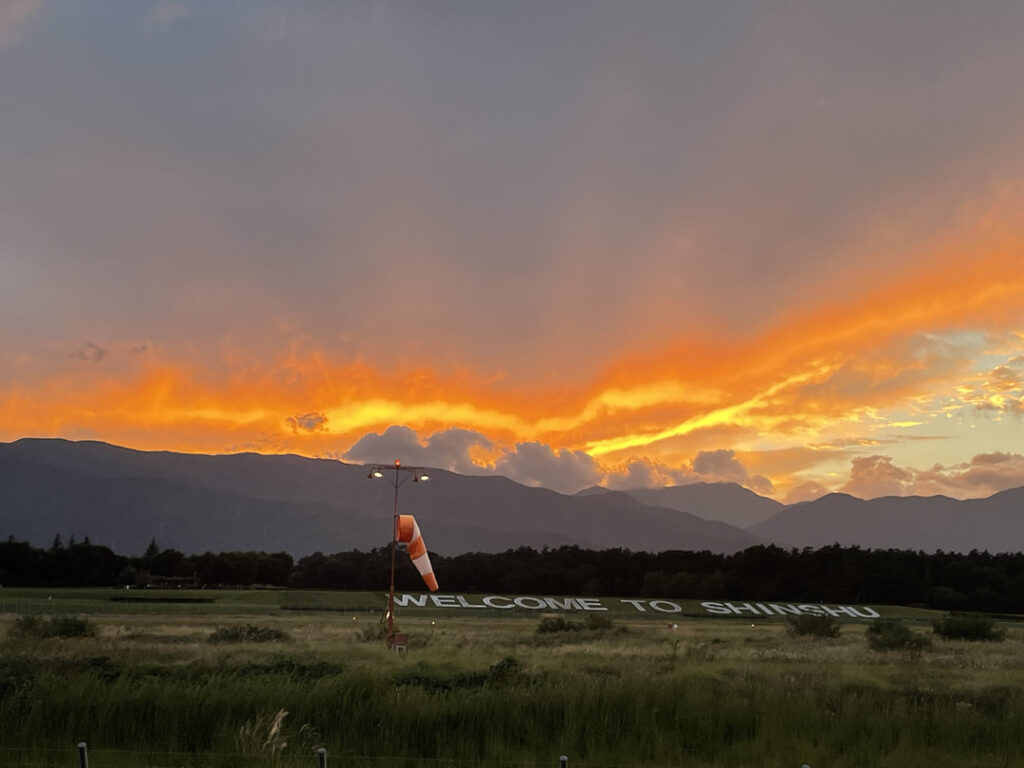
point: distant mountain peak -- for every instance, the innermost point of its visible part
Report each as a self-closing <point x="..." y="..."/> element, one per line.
<point x="593" y="490"/>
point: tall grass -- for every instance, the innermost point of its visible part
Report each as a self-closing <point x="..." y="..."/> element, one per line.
<point x="704" y="719"/>
<point x="711" y="695"/>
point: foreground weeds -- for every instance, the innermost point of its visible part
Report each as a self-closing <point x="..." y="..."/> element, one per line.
<point x="474" y="693"/>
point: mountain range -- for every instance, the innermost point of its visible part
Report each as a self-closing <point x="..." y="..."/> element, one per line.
<point x="195" y="503"/>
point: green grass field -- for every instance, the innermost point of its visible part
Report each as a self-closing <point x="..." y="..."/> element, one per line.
<point x="484" y="688"/>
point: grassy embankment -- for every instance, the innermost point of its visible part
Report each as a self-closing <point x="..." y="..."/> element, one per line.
<point x="150" y="689"/>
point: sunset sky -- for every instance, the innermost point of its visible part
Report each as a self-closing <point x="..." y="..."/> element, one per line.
<point x="575" y="242"/>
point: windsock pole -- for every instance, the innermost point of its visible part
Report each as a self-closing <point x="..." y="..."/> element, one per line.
<point x="390" y="639"/>
<point x="417" y="475"/>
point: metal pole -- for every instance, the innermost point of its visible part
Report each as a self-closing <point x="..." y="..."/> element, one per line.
<point x="83" y="755"/>
<point x="391" y="591"/>
<point x="321" y="758"/>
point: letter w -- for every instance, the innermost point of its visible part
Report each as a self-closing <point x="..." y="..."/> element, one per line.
<point x="403" y="600"/>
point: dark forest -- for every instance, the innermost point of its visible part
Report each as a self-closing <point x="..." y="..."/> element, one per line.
<point x="977" y="581"/>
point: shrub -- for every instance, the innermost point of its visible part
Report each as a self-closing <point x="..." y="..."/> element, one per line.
<point x="593" y="622"/>
<point x="53" y="626"/>
<point x="507" y="670"/>
<point x="247" y="634"/>
<point x="892" y="635"/>
<point x="968" y="627"/>
<point x="813" y="626"/>
<point x="443" y="678"/>
<point x="557" y="624"/>
<point x="372" y="633"/>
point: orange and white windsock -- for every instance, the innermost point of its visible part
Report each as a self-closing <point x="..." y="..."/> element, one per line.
<point x="409" y="533"/>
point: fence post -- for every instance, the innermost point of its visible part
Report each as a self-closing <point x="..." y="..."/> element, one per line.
<point x="321" y="758"/>
<point x="83" y="755"/>
<point x="563" y="761"/>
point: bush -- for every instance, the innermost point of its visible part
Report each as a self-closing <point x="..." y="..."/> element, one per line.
<point x="53" y="626"/>
<point x="558" y="624"/>
<point x="892" y="635"/>
<point x="372" y="633"/>
<point x="247" y="634"/>
<point x="594" y="623"/>
<point x="968" y="627"/>
<point x="813" y="626"/>
<point x="442" y="678"/>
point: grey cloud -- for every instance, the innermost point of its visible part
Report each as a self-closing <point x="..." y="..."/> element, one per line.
<point x="640" y="472"/>
<point x="1010" y="405"/>
<point x="1003" y="390"/>
<point x="722" y="466"/>
<point x="719" y="466"/>
<point x="983" y="475"/>
<point x="874" y="476"/>
<point x="395" y="442"/>
<point x="636" y="473"/>
<point x="448" y="449"/>
<point x="307" y="422"/>
<point x="808" y="491"/>
<point x="998" y="457"/>
<point x="760" y="484"/>
<point x="91" y="353"/>
<point x="1006" y="376"/>
<point x="538" y="464"/>
<point x="452" y="447"/>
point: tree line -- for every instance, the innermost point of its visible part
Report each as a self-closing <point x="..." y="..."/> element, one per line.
<point x="943" y="580"/>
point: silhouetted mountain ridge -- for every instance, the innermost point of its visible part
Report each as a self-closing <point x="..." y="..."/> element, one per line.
<point x="995" y="524"/>
<point x="197" y="503"/>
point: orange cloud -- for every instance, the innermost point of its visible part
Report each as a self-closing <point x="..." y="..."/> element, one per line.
<point x="826" y="374"/>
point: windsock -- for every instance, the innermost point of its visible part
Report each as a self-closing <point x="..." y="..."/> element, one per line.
<point x="409" y="533"/>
